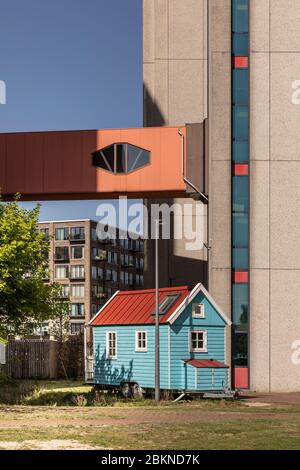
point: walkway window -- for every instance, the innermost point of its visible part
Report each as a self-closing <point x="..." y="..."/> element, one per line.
<point x="121" y="158"/>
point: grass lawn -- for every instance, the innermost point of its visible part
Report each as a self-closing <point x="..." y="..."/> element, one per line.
<point x="256" y="433"/>
<point x="200" y="424"/>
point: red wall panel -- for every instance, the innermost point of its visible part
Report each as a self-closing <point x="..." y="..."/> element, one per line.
<point x="241" y="377"/>
<point x="53" y="165"/>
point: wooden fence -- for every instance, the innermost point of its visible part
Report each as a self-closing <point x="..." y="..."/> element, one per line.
<point x="34" y="358"/>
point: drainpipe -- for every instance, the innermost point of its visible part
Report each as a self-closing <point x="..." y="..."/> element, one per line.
<point x="185" y="179"/>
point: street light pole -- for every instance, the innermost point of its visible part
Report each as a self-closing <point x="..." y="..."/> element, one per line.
<point x="157" y="368"/>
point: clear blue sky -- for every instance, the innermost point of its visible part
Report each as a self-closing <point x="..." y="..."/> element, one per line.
<point x="71" y="64"/>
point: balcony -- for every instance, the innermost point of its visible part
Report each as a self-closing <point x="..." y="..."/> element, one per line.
<point x="99" y="295"/>
<point x="77" y="277"/>
<point x="58" y="259"/>
<point x="64" y="296"/>
<point x="61" y="253"/>
<point x="77" y="239"/>
<point x="77" y="234"/>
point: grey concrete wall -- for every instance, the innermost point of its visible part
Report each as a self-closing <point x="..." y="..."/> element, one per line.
<point x="175" y="93"/>
<point x="174" y="61"/>
<point x="274" y="195"/>
<point x="219" y="111"/>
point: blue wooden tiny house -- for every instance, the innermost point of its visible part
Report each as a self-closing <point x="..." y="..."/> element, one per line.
<point x="192" y="340"/>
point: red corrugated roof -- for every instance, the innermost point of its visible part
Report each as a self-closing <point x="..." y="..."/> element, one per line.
<point x="206" y="363"/>
<point x="136" y="307"/>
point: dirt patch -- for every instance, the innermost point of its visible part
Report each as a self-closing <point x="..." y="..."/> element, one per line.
<point x="273" y="398"/>
<point x="129" y="417"/>
<point x="55" y="444"/>
<point x="257" y="404"/>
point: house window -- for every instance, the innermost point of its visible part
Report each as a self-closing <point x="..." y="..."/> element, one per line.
<point x="77" y="328"/>
<point x="111" y="339"/>
<point x="77" y="252"/>
<point x="61" y="271"/>
<point x="42" y="329"/>
<point x="113" y="257"/>
<point x="99" y="254"/>
<point x="198" y="311"/>
<point x="77" y="290"/>
<point x="94" y="234"/>
<point x="64" y="291"/>
<point x="198" y="341"/>
<point x="45" y="232"/>
<point x="77" y="310"/>
<point x="111" y="291"/>
<point x="98" y="291"/>
<point x="141" y="341"/>
<point x="61" y="253"/>
<point x="61" y="234"/>
<point x="94" y="272"/>
<point x="95" y="308"/>
<point x="77" y="271"/>
<point x="167" y="302"/>
<point x="77" y="233"/>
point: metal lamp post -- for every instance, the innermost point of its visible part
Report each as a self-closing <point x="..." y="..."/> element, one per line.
<point x="157" y="365"/>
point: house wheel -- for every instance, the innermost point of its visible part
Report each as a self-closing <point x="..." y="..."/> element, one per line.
<point x="136" y="391"/>
<point x="126" y="390"/>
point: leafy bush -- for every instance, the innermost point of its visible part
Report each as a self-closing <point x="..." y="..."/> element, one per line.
<point x="79" y="400"/>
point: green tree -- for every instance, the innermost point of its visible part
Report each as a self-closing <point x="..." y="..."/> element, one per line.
<point x="25" y="299"/>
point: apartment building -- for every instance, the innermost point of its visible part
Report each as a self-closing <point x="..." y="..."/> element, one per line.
<point x="90" y="270"/>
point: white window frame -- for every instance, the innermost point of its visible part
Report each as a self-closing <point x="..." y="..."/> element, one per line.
<point x="198" y="350"/>
<point x="59" y="267"/>
<point x="79" y="287"/>
<point x="137" y="348"/>
<point x="73" y="249"/>
<point x="109" y="356"/>
<point x="197" y="315"/>
<point x="74" y="315"/>
<point x="77" y="271"/>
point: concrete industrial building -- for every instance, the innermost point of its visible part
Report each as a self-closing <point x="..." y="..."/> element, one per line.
<point x="90" y="269"/>
<point x="235" y="64"/>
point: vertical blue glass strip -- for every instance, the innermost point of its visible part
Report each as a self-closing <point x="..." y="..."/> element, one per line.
<point x="240" y="15"/>
<point x="240" y="184"/>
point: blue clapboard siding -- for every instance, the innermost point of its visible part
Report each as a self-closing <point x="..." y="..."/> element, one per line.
<point x="204" y="379"/>
<point x="213" y="323"/>
<point x="130" y="365"/>
<point x="212" y="379"/>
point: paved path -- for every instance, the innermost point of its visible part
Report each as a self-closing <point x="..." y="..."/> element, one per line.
<point x="283" y="398"/>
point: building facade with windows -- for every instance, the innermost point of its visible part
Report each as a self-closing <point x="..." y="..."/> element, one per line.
<point x="234" y="65"/>
<point x="91" y="269"/>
